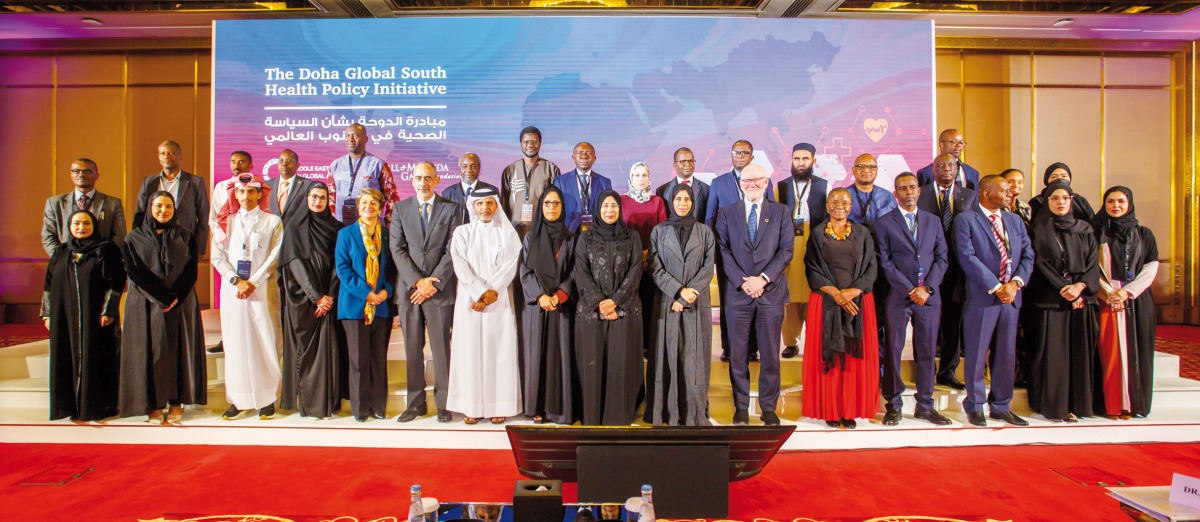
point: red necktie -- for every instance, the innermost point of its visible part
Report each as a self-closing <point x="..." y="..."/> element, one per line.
<point x="1004" y="260"/>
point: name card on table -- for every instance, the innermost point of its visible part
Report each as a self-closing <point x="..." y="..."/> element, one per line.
<point x="1185" y="491"/>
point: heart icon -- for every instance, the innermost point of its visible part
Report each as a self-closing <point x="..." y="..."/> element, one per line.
<point x="875" y="128"/>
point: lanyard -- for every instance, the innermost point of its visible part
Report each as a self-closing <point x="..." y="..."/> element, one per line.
<point x="525" y="168"/>
<point x="799" y="199"/>
<point x="354" y="168"/>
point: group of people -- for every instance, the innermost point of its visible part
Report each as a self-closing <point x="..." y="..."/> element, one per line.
<point x="554" y="297"/>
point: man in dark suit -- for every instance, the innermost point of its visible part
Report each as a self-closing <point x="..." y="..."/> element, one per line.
<point x="191" y="194"/>
<point x="420" y="233"/>
<point x="756" y="239"/>
<point x="468" y="170"/>
<point x="912" y="257"/>
<point x="945" y="199"/>
<point x="804" y="195"/>
<point x="726" y="190"/>
<point x="685" y="167"/>
<point x="110" y="216"/>
<point x="581" y="188"/>
<point x="289" y="192"/>
<point x="951" y="142"/>
<point x="997" y="259"/>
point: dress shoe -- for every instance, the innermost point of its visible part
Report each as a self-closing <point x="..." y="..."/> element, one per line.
<point x="931" y="416"/>
<point x="951" y="382"/>
<point x="849" y="424"/>
<point x="412" y="413"/>
<point x="769" y="418"/>
<point x="444" y="416"/>
<point x="1009" y="417"/>
<point x="724" y="357"/>
<point x="790" y="351"/>
<point x="741" y="418"/>
<point x="754" y="357"/>
<point x="892" y="417"/>
<point x="976" y="418"/>
<point x="833" y="424"/>
<point x="233" y="413"/>
<point x="267" y="412"/>
<point x="379" y="415"/>
<point x="219" y="348"/>
<point x="360" y="418"/>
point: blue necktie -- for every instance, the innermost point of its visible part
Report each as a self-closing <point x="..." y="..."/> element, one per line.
<point x="424" y="216"/>
<point x="465" y="211"/>
<point x="753" y="221"/>
<point x="912" y="225"/>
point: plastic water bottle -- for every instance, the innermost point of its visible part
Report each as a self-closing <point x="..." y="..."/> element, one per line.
<point x="416" y="510"/>
<point x="646" y="513"/>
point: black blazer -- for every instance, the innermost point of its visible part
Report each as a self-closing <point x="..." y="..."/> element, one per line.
<point x="455" y="193"/>
<point x="191" y="206"/>
<point x="699" y="204"/>
<point x="817" y="190"/>
<point x="297" y="197"/>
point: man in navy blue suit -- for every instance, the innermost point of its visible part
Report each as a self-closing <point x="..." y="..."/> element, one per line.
<point x="951" y="142"/>
<point x="997" y="259"/>
<point x="804" y="195"/>
<point x="946" y="199"/>
<point x="468" y="170"/>
<point x="685" y="166"/>
<point x="581" y="188"/>
<point x="726" y="190"/>
<point x="912" y="256"/>
<point x="755" y="238"/>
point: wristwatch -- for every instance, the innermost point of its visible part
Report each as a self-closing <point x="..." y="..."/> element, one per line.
<point x="233" y="280"/>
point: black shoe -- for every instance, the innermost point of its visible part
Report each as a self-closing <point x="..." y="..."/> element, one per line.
<point x="951" y="382"/>
<point x="724" y="357"/>
<point x="931" y="416"/>
<point x="769" y="418"/>
<point x="741" y="418"/>
<point x="219" y="348"/>
<point x="849" y="424"/>
<point x="790" y="351"/>
<point x="267" y="412"/>
<point x="976" y="418"/>
<point x="754" y="357"/>
<point x="412" y="413"/>
<point x="833" y="424"/>
<point x="444" y="416"/>
<point x="1009" y="417"/>
<point x="360" y="418"/>
<point x="379" y="415"/>
<point x="232" y="413"/>
<point x="892" y="417"/>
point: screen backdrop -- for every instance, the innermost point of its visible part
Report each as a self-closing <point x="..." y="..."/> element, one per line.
<point x="637" y="88"/>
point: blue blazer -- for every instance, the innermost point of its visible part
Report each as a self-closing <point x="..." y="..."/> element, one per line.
<point x="724" y="192"/>
<point x="770" y="253"/>
<point x="455" y="193"/>
<point x="979" y="256"/>
<point x="817" y="190"/>
<point x="925" y="175"/>
<point x="902" y="260"/>
<point x="350" y="257"/>
<point x="878" y="203"/>
<point x="568" y="183"/>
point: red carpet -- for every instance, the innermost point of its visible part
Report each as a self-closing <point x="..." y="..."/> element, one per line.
<point x="135" y="482"/>
<point x="14" y="334"/>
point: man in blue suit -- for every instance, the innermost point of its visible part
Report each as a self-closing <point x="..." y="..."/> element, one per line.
<point x="756" y="241"/>
<point x="997" y="259"/>
<point x="685" y="165"/>
<point x="468" y="170"/>
<point x="912" y="256"/>
<point x="951" y="142"/>
<point x="946" y="199"/>
<point x="727" y="190"/>
<point x="581" y="188"/>
<point x="804" y="195"/>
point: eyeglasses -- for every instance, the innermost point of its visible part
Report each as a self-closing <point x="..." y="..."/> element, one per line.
<point x="82" y="171"/>
<point x="959" y="143"/>
<point x="860" y="166"/>
<point x="741" y="153"/>
<point x="754" y="182"/>
<point x="686" y="162"/>
<point x="551" y="204"/>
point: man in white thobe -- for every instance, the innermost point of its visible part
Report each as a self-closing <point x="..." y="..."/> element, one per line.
<point x="484" y="373"/>
<point x="247" y="260"/>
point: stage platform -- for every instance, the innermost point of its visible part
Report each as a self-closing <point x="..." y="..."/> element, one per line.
<point x="24" y="397"/>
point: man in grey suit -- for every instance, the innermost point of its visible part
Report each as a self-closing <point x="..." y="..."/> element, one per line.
<point x="191" y="194"/>
<point x="289" y="192"/>
<point x="685" y="166"/>
<point x="421" y="229"/>
<point x="110" y="216"/>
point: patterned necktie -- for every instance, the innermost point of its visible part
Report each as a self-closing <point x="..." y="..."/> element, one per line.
<point x="1004" y="260"/>
<point x="586" y="183"/>
<point x="912" y="225"/>
<point x="752" y="222"/>
<point x="687" y="182"/>
<point x="284" y="187"/>
<point x="84" y="202"/>
<point x="947" y="212"/>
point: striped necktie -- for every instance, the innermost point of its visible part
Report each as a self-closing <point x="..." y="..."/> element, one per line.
<point x="947" y="212"/>
<point x="1003" y="247"/>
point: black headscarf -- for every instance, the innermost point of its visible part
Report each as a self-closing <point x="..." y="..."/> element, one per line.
<point x="616" y="231"/>
<point x="88" y="244"/>
<point x="1119" y="232"/>
<point x="545" y="237"/>
<point x="311" y="233"/>
<point x="682" y="224"/>
<point x="1065" y="234"/>
<point x="148" y="239"/>
<point x="1053" y="167"/>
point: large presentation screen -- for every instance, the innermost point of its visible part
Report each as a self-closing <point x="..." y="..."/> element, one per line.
<point x="636" y="88"/>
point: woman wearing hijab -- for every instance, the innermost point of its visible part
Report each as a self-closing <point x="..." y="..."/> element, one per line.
<point x="608" y="321"/>
<point x="1128" y="266"/>
<point x="642" y="211"/>
<point x="364" y="305"/>
<point x="312" y="337"/>
<point x="80" y="303"/>
<point x="1062" y="324"/>
<point x="1079" y="204"/>
<point x="842" y="382"/>
<point x="682" y="256"/>
<point x="162" y="340"/>
<point x="547" y="259"/>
